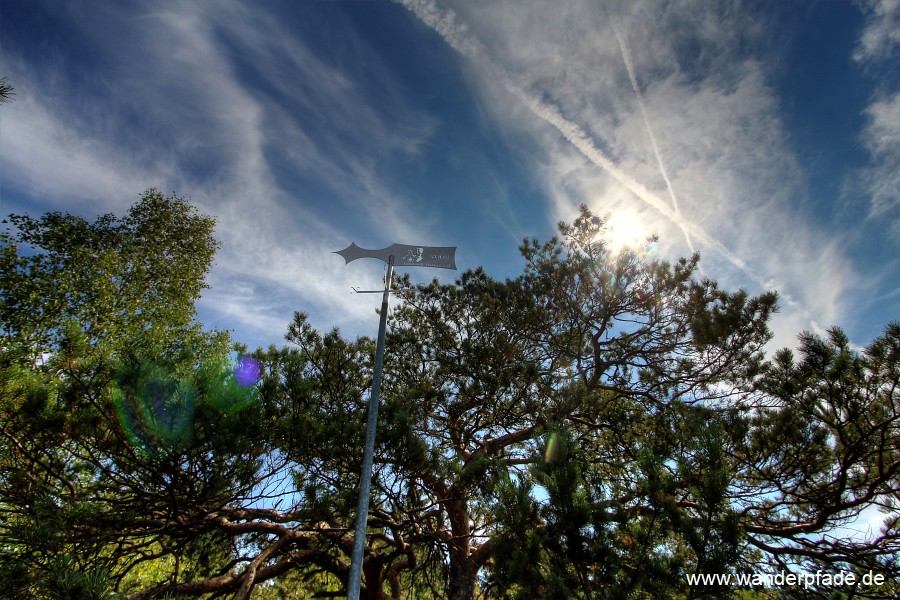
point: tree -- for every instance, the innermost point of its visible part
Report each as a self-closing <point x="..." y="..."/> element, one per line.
<point x="821" y="446"/>
<point x="127" y="286"/>
<point x="585" y="340"/>
<point x="602" y="426"/>
<point x="79" y="303"/>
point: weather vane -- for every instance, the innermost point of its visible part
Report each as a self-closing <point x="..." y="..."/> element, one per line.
<point x="402" y="255"/>
<point x="441" y="257"/>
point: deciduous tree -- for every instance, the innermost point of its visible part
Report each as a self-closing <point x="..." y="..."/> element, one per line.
<point x="82" y="305"/>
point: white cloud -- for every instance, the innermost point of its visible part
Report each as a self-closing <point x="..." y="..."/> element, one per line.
<point x="672" y="121"/>
<point x="192" y="124"/>
<point x="879" y="46"/>
<point x="717" y="140"/>
<point x="882" y="139"/>
<point x="882" y="32"/>
<point x="58" y="157"/>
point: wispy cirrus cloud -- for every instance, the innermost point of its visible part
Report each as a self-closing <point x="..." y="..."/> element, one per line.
<point x="304" y="127"/>
<point x="59" y="156"/>
<point x="226" y="105"/>
<point x="881" y="36"/>
<point x="878" y="51"/>
<point x="882" y="139"/>
<point x="456" y="34"/>
<point x="716" y="135"/>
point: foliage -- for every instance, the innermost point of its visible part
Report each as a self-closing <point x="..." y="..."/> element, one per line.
<point x="114" y="286"/>
<point x="7" y="92"/>
<point x="602" y="426"/>
<point x="80" y="303"/>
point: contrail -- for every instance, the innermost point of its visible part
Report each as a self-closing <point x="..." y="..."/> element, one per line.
<point x="629" y="66"/>
<point x="456" y="35"/>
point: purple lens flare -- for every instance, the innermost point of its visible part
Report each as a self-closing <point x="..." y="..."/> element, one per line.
<point x="247" y="371"/>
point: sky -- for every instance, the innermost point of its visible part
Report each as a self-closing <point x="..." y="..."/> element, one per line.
<point x="764" y="135"/>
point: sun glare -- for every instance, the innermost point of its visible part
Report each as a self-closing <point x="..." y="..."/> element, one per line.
<point x="625" y="230"/>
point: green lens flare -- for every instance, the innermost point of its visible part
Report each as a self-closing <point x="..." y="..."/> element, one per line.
<point x="552" y="453"/>
<point x="156" y="411"/>
<point x="227" y="393"/>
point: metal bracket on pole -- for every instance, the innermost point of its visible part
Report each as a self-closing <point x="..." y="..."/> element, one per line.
<point x="358" y="291"/>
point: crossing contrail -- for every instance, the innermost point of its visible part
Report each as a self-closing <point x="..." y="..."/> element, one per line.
<point x="629" y="66"/>
<point x="457" y="37"/>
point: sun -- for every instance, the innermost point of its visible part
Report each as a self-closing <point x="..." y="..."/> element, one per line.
<point x="625" y="230"/>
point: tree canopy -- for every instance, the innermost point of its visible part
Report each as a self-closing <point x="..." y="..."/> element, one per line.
<point x="604" y="425"/>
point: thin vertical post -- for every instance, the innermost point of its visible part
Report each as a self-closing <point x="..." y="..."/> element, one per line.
<point x="362" y="509"/>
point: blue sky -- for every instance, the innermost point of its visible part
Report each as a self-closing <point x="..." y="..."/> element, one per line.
<point x="765" y="135"/>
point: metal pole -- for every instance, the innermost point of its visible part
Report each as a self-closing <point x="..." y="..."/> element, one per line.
<point x="362" y="509"/>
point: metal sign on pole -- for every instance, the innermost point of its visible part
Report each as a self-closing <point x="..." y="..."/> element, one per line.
<point x="442" y="257"/>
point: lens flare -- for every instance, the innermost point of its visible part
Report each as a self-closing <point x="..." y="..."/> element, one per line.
<point x="554" y="449"/>
<point x="247" y="371"/>
<point x="155" y="410"/>
<point x="232" y="391"/>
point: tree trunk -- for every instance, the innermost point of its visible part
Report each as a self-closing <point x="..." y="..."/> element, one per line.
<point x="462" y="568"/>
<point x="373" y="576"/>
